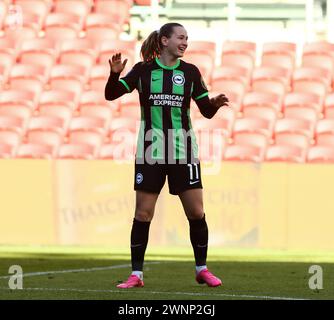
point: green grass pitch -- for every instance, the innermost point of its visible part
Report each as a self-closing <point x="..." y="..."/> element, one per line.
<point x="93" y="273"/>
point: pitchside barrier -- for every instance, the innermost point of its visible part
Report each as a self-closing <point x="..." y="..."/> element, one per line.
<point x="79" y="202"/>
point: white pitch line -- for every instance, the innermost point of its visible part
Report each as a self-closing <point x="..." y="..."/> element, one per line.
<point x="140" y="291"/>
<point x="41" y="273"/>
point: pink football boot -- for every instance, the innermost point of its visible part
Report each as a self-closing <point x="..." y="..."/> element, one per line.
<point x="205" y="276"/>
<point x="133" y="281"/>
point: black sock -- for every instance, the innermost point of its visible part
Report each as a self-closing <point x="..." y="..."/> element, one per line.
<point x="199" y="239"/>
<point x="139" y="239"/>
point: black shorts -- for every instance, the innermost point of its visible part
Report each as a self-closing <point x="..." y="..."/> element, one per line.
<point x="181" y="177"/>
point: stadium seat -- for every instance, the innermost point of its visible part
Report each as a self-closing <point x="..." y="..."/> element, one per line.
<point x="318" y="47"/>
<point x="62" y="19"/>
<point x="207" y="47"/>
<point x="99" y="19"/>
<point x="70" y="71"/>
<point x="60" y="33"/>
<point x="285" y="153"/>
<point x="38" y="58"/>
<point x="325" y="139"/>
<point x="303" y="99"/>
<point x="38" y="7"/>
<point x="131" y="112"/>
<point x="99" y="111"/>
<point x="297" y="112"/>
<point x="121" y="7"/>
<point x="212" y="144"/>
<point x="80" y="8"/>
<point x="6" y="63"/>
<point x="270" y="86"/>
<point x="75" y="151"/>
<point x="12" y="123"/>
<point x="57" y="110"/>
<point x="91" y="98"/>
<point x="324" y="127"/>
<point x="224" y="86"/>
<point x="127" y="124"/>
<point x="28" y="19"/>
<point x="29" y="71"/>
<point x="231" y="73"/>
<point x="204" y="63"/>
<point x="293" y="125"/>
<point x="310" y="86"/>
<point x="123" y="149"/>
<point x="3" y="12"/>
<point x="263" y="112"/>
<point x="329" y="106"/>
<point x="70" y="85"/>
<point x="291" y="139"/>
<point x="281" y="60"/>
<point x="45" y="137"/>
<point x="321" y="154"/>
<point x="237" y="47"/>
<point x="288" y="48"/>
<point x="19" y="111"/>
<point x="18" y="97"/>
<point x="263" y="99"/>
<point x="251" y="139"/>
<point x="34" y="151"/>
<point x="6" y="151"/>
<point x="126" y="48"/>
<point x="39" y="45"/>
<point x="10" y="138"/>
<point x="100" y="34"/>
<point x="254" y="125"/>
<point x="272" y="73"/>
<point x="83" y="59"/>
<point x="48" y="123"/>
<point x="89" y="138"/>
<point x="9" y="46"/>
<point x="129" y="100"/>
<point x="243" y="153"/>
<point x="80" y="45"/>
<point x="322" y="61"/>
<point x="239" y="60"/>
<point x="313" y="73"/>
<point x="223" y="125"/>
<point x="89" y="124"/>
<point x="21" y="34"/>
<point x="58" y="97"/>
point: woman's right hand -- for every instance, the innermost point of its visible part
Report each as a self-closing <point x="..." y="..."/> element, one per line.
<point x="116" y="64"/>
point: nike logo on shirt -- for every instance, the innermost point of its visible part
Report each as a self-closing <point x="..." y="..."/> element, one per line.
<point x="193" y="182"/>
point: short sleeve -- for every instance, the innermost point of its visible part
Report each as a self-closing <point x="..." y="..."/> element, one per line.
<point x="199" y="87"/>
<point x="130" y="81"/>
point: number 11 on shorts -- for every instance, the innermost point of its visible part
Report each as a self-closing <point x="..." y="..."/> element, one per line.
<point x="191" y="173"/>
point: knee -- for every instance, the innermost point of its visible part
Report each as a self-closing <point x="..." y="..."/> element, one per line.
<point x="143" y="214"/>
<point x="195" y="214"/>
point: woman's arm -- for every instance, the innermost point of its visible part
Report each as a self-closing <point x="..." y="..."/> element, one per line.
<point x="209" y="107"/>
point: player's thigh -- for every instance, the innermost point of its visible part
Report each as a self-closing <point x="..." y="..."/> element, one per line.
<point x="192" y="202"/>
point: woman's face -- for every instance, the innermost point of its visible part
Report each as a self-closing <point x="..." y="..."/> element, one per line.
<point x="177" y="44"/>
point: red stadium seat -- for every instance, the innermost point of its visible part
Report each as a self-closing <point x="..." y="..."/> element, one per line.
<point x="279" y="48"/>
<point x="303" y="99"/>
<point x="204" y="63"/>
<point x="329" y="106"/>
<point x="321" y="154"/>
<point x="313" y="73"/>
<point x="10" y="138"/>
<point x="89" y="124"/>
<point x="12" y="123"/>
<point x="18" y="97"/>
<point x="322" y="61"/>
<point x="80" y="8"/>
<point x="6" y="151"/>
<point x="39" y="45"/>
<point x="231" y="73"/>
<point x="38" y="58"/>
<point x="76" y="151"/>
<point x="263" y="112"/>
<point x="48" y="123"/>
<point x="3" y="12"/>
<point x="61" y="19"/>
<point x="28" y="19"/>
<point x="270" y="86"/>
<point x="60" y="111"/>
<point x="209" y="125"/>
<point x="318" y="47"/>
<point x="263" y="99"/>
<point x="60" y="33"/>
<point x="251" y="139"/>
<point x="80" y="45"/>
<point x="292" y="139"/>
<point x="88" y="138"/>
<point x="272" y="73"/>
<point x="297" y="112"/>
<point x="239" y="60"/>
<point x="58" y="97"/>
<point x="45" y="137"/>
<point x="10" y="47"/>
<point x="21" y="34"/>
<point x="293" y="125"/>
<point x="324" y="127"/>
<point x="70" y="85"/>
<point x="70" y="71"/>
<point x="22" y="112"/>
<point x="325" y="139"/>
<point x="100" y="34"/>
<point x="207" y="47"/>
<point x="285" y="153"/>
<point x="99" y="19"/>
<point x="223" y="85"/>
<point x="29" y="71"/>
<point x="281" y="60"/>
<point x="126" y="124"/>
<point x="243" y="153"/>
<point x="310" y="86"/>
<point x="254" y="125"/>
<point x="6" y="63"/>
<point x="34" y="151"/>
<point x="100" y="112"/>
<point x="237" y="47"/>
<point x="121" y="7"/>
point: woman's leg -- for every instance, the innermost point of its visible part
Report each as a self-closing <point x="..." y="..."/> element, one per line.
<point x="145" y="204"/>
<point x="192" y="201"/>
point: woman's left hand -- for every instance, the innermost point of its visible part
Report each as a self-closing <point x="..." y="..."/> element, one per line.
<point x="219" y="101"/>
